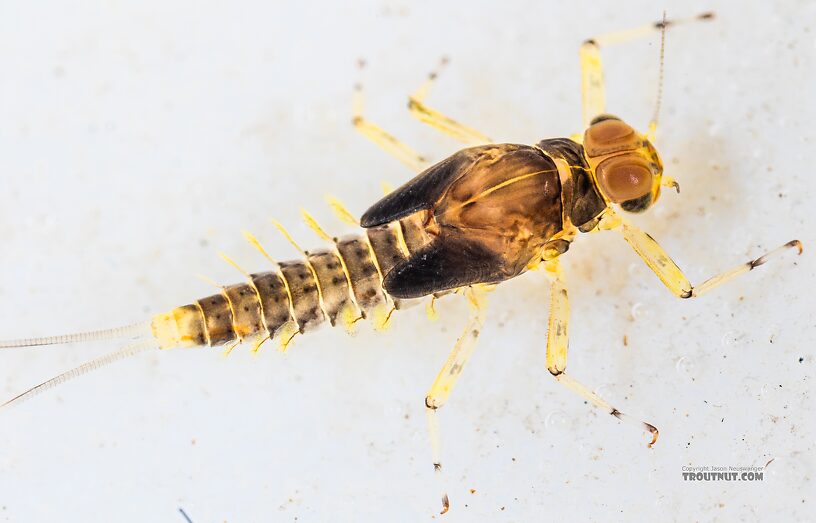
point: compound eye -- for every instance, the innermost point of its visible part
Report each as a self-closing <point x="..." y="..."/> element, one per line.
<point x="608" y="136"/>
<point x="624" y="178"/>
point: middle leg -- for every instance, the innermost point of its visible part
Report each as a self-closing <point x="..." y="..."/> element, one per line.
<point x="557" y="342"/>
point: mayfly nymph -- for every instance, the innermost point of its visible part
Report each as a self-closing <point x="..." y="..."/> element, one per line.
<point x="486" y="214"/>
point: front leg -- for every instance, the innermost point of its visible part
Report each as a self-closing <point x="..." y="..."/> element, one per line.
<point x="593" y="100"/>
<point x="670" y="274"/>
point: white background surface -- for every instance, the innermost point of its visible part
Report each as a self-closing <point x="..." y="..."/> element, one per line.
<point x="137" y="139"/>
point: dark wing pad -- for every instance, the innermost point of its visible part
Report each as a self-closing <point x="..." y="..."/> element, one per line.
<point x="449" y="262"/>
<point x="422" y="192"/>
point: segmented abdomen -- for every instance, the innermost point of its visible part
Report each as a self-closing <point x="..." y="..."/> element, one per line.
<point x="339" y="285"/>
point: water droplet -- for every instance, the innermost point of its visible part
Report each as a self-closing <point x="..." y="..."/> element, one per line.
<point x="792" y="470"/>
<point x="605" y="392"/>
<point x="730" y="339"/>
<point x="685" y="367"/>
<point x="658" y="503"/>
<point x="750" y="384"/>
<point x="641" y="312"/>
<point x="557" y="420"/>
<point x="762" y="391"/>
<point x="583" y="445"/>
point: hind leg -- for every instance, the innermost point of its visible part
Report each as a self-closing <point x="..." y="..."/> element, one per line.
<point x="449" y="375"/>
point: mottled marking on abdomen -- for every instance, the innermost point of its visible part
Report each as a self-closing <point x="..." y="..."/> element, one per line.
<point x="246" y="310"/>
<point x="217" y="319"/>
<point x="334" y="286"/>
<point x="305" y="295"/>
<point x="362" y="273"/>
<point x="385" y="243"/>
<point x="389" y="249"/>
<point x="274" y="300"/>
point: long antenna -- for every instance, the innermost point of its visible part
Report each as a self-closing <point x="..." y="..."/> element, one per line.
<point x="653" y="123"/>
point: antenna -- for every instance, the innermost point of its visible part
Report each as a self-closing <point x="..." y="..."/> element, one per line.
<point x="653" y="122"/>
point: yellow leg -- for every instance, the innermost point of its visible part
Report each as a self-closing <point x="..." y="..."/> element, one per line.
<point x="557" y="342"/>
<point x="593" y="102"/>
<point x="437" y="120"/>
<point x="670" y="274"/>
<point x="386" y="141"/>
<point x="447" y="377"/>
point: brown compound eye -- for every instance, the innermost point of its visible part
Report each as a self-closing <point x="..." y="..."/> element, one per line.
<point x="609" y="136"/>
<point x="624" y="177"/>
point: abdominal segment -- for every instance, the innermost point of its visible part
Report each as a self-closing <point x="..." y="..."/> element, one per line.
<point x="339" y="285"/>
